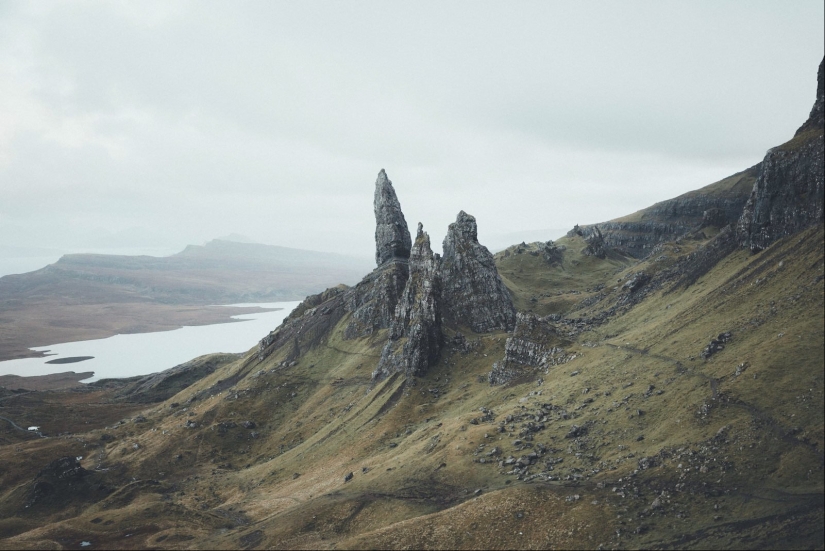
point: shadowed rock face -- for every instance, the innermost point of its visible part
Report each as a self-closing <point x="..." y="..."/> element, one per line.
<point x="392" y="238"/>
<point x="788" y="194"/>
<point x="415" y="334"/>
<point x="473" y="293"/>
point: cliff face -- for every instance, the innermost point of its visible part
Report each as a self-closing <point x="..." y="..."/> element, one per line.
<point x="788" y="194"/>
<point x="718" y="204"/>
<point x="392" y="238"/>
<point x="777" y="197"/>
<point x="372" y="302"/>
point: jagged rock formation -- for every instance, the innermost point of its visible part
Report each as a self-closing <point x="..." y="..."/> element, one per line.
<point x="372" y="302"/>
<point x="718" y="204"/>
<point x="415" y="334"/>
<point x="407" y="293"/>
<point x="392" y="238"/>
<point x="788" y="194"/>
<point x="474" y="294"/>
<point x="529" y="348"/>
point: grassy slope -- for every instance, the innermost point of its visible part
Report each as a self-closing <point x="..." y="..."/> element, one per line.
<point x="555" y="287"/>
<point x="757" y="482"/>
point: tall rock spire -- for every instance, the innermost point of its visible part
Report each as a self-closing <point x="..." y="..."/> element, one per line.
<point x="415" y="336"/>
<point x="473" y="293"/>
<point x="392" y="238"/>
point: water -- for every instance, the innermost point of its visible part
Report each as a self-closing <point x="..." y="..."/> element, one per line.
<point x="144" y="353"/>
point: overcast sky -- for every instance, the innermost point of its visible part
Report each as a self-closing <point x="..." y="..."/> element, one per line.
<point x="158" y="124"/>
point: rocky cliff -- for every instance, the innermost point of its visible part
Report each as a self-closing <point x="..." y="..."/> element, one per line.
<point x="372" y="302"/>
<point x="718" y="205"/>
<point x="788" y="194"/>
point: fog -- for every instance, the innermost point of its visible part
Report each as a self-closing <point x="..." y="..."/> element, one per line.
<point x="158" y="124"/>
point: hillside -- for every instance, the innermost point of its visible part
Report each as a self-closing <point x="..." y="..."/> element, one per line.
<point x="670" y="402"/>
<point x="86" y="296"/>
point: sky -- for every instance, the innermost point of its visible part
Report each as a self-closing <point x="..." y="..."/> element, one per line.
<point x="157" y="124"/>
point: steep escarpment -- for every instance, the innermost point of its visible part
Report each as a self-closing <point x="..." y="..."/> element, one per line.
<point x="788" y="194"/>
<point x="717" y="205"/>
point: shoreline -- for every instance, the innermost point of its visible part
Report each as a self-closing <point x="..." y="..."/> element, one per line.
<point x="26" y="330"/>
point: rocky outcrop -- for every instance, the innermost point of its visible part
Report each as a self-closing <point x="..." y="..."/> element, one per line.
<point x="552" y="253"/>
<point x="415" y="334"/>
<point x="372" y="302"/>
<point x="530" y="347"/>
<point x="788" y="194"/>
<point x="474" y="295"/>
<point x="392" y="238"/>
<point x="595" y="244"/>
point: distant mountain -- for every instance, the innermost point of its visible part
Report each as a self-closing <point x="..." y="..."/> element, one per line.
<point x="97" y="295"/>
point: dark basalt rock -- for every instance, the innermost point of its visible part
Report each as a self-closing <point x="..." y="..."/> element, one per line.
<point x="61" y="482"/>
<point x="392" y="238"/>
<point x="474" y="294"/>
<point x="372" y="302"/>
<point x="408" y="293"/>
<point x="415" y="334"/>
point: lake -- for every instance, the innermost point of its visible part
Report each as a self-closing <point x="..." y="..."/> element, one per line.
<point x="143" y="353"/>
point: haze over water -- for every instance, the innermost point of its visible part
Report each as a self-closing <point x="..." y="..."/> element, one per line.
<point x="143" y="353"/>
